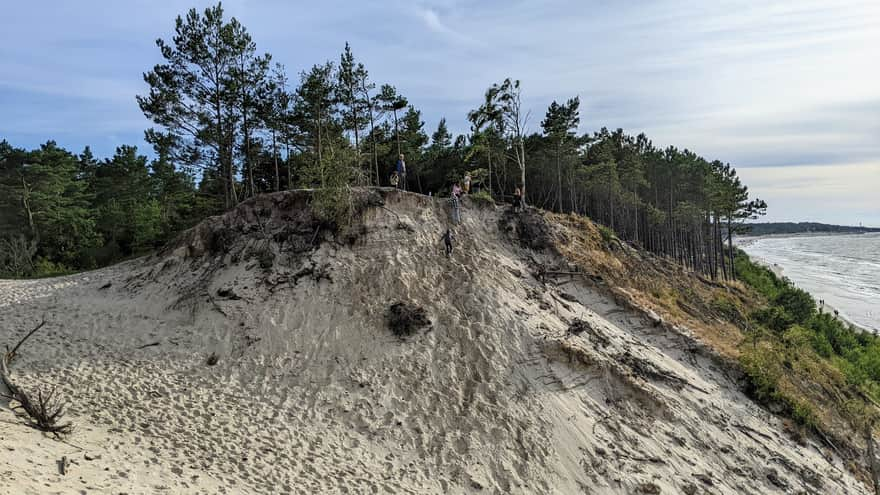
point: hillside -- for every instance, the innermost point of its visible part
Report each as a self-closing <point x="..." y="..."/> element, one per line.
<point x="770" y="228"/>
<point x="557" y="360"/>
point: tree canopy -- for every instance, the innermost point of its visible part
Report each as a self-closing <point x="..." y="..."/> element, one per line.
<point x="227" y="124"/>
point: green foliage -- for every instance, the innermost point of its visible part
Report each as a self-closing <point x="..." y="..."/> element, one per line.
<point x="727" y="308"/>
<point x="766" y="367"/>
<point x="228" y="127"/>
<point x="47" y="268"/>
<point x="482" y="197"/>
<point x="797" y="303"/>
<point x="63" y="213"/>
<point x="774" y="318"/>
<point x="763" y="367"/>
<point x="607" y="234"/>
<point x="803" y="345"/>
<point x="758" y="277"/>
<point x="802" y="413"/>
<point x="147" y="221"/>
<point x="333" y="206"/>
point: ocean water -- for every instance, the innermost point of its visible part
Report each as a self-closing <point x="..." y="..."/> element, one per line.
<point x="844" y="270"/>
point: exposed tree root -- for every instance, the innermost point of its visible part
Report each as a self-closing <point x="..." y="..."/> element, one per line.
<point x="44" y="412"/>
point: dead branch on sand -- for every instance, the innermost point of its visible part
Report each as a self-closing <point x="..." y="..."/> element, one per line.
<point x="44" y="413"/>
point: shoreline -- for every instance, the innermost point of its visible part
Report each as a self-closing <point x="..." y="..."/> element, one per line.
<point x="748" y="236"/>
<point x="824" y="307"/>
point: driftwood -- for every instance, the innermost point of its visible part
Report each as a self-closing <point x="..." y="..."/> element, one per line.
<point x="44" y="413"/>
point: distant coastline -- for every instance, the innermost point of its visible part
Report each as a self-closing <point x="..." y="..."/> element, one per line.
<point x="823" y="306"/>
<point x="816" y="265"/>
<point x="802" y="228"/>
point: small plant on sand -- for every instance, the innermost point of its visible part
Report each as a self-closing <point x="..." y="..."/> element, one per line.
<point x="405" y="319"/>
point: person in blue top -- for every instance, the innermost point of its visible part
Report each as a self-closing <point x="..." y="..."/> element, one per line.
<point x="401" y="171"/>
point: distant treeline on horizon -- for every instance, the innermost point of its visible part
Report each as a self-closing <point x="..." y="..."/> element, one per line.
<point x="769" y="228"/>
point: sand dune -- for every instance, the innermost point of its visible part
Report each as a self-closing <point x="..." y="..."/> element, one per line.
<point x="313" y="394"/>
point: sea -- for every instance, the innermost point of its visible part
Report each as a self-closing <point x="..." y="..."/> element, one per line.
<point x="841" y="269"/>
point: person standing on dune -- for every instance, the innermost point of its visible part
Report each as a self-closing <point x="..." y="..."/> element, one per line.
<point x="447" y="240"/>
<point x="456" y="206"/>
<point x="401" y="171"/>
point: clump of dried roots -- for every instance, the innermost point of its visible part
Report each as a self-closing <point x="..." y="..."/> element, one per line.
<point x="44" y="412"/>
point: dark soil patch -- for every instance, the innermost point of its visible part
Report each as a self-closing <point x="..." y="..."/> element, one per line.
<point x="406" y="319"/>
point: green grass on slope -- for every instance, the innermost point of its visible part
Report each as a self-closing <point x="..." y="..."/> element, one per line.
<point x="817" y="366"/>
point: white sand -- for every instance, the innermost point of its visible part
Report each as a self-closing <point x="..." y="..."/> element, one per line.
<point x="312" y="394"/>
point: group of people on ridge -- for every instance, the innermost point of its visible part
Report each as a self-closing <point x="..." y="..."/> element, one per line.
<point x="455" y="201"/>
<point x="398" y="181"/>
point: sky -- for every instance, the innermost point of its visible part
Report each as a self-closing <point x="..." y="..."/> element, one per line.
<point x="788" y="92"/>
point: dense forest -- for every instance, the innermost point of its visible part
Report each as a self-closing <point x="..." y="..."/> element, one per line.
<point x="228" y="124"/>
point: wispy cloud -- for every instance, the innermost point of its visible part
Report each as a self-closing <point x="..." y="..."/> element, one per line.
<point x="432" y="20"/>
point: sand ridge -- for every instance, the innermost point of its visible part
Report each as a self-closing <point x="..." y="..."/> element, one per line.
<point x="312" y="393"/>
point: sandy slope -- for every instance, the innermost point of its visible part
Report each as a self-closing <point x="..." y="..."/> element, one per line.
<point x="312" y="394"/>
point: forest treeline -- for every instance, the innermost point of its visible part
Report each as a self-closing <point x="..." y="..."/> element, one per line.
<point x="771" y="228"/>
<point x="228" y="124"/>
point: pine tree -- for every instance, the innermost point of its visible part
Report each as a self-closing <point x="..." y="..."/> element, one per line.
<point x="351" y="77"/>
<point x="200" y="96"/>
<point x="559" y="126"/>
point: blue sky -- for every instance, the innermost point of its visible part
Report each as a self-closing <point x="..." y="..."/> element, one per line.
<point x="787" y="92"/>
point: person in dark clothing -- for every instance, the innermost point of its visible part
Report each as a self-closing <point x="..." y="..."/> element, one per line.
<point x="447" y="240"/>
<point x="517" y="199"/>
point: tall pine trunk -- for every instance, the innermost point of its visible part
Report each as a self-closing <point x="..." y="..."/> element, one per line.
<point x="275" y="158"/>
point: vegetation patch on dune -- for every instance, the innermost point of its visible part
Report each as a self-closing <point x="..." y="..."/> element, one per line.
<point x="801" y="362"/>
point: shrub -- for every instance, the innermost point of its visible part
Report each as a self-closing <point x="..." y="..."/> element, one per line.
<point x="728" y="309"/>
<point x="332" y="206"/>
<point x="798" y="337"/>
<point x="607" y="234"/>
<point x="796" y="302"/>
<point x="405" y="319"/>
<point x="47" y="268"/>
<point x="774" y="318"/>
<point x="842" y="338"/>
<point x="802" y="413"/>
<point x="806" y="354"/>
<point x="763" y="368"/>
<point x="482" y="197"/>
<point x="758" y="277"/>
